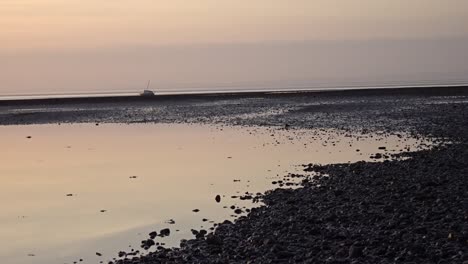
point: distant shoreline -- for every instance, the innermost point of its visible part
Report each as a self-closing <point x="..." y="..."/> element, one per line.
<point x="135" y="96"/>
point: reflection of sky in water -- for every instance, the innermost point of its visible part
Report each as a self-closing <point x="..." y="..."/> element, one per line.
<point x="178" y="168"/>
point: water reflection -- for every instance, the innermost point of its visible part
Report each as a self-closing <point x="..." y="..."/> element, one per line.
<point x="70" y="191"/>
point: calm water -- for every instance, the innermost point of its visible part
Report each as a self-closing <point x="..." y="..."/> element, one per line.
<point x="178" y="168"/>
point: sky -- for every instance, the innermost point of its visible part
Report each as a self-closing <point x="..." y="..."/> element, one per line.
<point x="60" y="46"/>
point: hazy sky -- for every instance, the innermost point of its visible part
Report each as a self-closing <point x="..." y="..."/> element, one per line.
<point x="80" y="45"/>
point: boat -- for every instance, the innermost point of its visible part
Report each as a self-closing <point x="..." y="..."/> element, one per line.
<point x="147" y="92"/>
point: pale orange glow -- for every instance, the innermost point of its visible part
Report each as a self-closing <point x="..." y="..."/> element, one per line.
<point x="63" y="46"/>
<point x="30" y="24"/>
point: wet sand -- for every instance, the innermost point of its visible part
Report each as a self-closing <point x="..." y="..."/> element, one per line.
<point x="405" y="210"/>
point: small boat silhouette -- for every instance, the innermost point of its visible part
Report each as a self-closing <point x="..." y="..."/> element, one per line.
<point x="147" y="91"/>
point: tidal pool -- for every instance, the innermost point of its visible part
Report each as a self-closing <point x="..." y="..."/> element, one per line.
<point x="69" y="191"/>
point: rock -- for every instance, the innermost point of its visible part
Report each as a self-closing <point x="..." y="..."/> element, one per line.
<point x="165" y="232"/>
<point x="147" y="244"/>
<point x="355" y="251"/>
<point x="238" y="211"/>
<point x="218" y="198"/>
<point x="246" y="197"/>
<point x="282" y="254"/>
<point x="199" y="234"/>
<point x="153" y="234"/>
<point x="196" y="210"/>
<point x="213" y="240"/>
